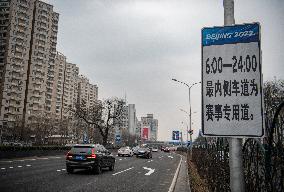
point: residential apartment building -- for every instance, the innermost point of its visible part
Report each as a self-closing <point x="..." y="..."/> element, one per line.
<point x="87" y="92"/>
<point x="15" y="32"/>
<point x="56" y="82"/>
<point x="70" y="94"/>
<point x="28" y="32"/>
<point x="152" y="123"/>
<point x="42" y="60"/>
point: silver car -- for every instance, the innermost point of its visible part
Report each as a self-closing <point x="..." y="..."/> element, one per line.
<point x="125" y="151"/>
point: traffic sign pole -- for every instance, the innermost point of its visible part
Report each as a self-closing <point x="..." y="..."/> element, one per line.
<point x="235" y="144"/>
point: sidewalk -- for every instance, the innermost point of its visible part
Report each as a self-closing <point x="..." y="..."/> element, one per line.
<point x="182" y="184"/>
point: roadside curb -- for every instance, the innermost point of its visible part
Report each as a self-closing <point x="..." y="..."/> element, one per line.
<point x="172" y="187"/>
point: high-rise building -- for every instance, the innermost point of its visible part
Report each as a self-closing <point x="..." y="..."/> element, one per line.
<point x="41" y="68"/>
<point x="70" y="95"/>
<point x="87" y="92"/>
<point x="56" y="82"/>
<point x="152" y="124"/>
<point x="28" y="32"/>
<point x="132" y="119"/>
<point x="16" y="24"/>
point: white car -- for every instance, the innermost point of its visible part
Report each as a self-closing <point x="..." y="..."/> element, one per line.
<point x="155" y="149"/>
<point x="125" y="151"/>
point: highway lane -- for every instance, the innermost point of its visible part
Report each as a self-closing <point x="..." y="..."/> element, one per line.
<point x="49" y="174"/>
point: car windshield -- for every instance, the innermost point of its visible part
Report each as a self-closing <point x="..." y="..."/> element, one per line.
<point x="81" y="149"/>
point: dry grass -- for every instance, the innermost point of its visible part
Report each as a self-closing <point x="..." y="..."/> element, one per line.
<point x="197" y="184"/>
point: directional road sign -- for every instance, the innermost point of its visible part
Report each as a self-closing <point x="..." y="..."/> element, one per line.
<point x="175" y="135"/>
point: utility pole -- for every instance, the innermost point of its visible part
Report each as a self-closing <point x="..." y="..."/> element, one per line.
<point x="235" y="144"/>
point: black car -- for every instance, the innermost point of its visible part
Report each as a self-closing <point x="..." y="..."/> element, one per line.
<point x="89" y="156"/>
<point x="144" y="152"/>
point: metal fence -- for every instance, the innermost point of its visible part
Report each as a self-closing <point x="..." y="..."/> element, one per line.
<point x="263" y="159"/>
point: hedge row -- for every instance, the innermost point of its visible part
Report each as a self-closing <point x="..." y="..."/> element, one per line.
<point x="30" y="148"/>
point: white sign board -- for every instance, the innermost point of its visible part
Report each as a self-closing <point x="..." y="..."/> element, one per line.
<point x="232" y="81"/>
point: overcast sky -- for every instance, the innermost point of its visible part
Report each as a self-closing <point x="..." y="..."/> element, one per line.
<point x="135" y="47"/>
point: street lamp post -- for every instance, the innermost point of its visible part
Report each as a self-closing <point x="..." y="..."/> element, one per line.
<point x="189" y="87"/>
<point x="187" y="124"/>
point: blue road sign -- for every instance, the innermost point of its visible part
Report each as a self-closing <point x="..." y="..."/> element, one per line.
<point x="117" y="138"/>
<point x="230" y="34"/>
<point x="175" y="135"/>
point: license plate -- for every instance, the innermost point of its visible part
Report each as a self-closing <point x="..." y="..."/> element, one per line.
<point x="79" y="158"/>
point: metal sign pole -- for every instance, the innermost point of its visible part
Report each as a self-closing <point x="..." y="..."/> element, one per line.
<point x="235" y="144"/>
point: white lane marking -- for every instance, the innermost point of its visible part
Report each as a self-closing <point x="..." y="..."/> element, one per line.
<point x="20" y="160"/>
<point x="20" y="166"/>
<point x="149" y="161"/>
<point x="171" y="189"/>
<point x="3" y="168"/>
<point x="43" y="158"/>
<point x="11" y="167"/>
<point x="120" y="159"/>
<point x="123" y="171"/>
<point x="55" y="157"/>
<point x="58" y="170"/>
<point x="170" y="157"/>
<point x="28" y="165"/>
<point x="63" y="169"/>
<point x="6" y="161"/>
<point x="117" y="155"/>
<point x="30" y="159"/>
<point x="150" y="171"/>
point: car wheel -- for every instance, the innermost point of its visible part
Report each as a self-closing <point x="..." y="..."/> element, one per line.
<point x="69" y="169"/>
<point x="98" y="169"/>
<point x="111" y="168"/>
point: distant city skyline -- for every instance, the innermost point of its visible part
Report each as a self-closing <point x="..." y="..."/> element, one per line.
<point x="137" y="47"/>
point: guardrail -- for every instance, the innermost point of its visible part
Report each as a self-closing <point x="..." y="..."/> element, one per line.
<point x="263" y="159"/>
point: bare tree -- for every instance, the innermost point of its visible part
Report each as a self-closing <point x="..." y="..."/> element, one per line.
<point x="42" y="127"/>
<point x="104" y="116"/>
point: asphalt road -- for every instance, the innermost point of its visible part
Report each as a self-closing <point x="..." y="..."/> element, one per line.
<point x="49" y="174"/>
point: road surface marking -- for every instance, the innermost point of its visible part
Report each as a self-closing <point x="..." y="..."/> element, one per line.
<point x="123" y="171"/>
<point x="20" y="166"/>
<point x="30" y="159"/>
<point x="120" y="159"/>
<point x="54" y="157"/>
<point x="20" y="160"/>
<point x="6" y="161"/>
<point x="170" y="157"/>
<point x="28" y="165"/>
<point x="171" y="189"/>
<point x="58" y="170"/>
<point x="150" y="171"/>
<point x="149" y="161"/>
<point x="43" y="158"/>
<point x="11" y="167"/>
<point x="3" y="168"/>
<point x="63" y="169"/>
